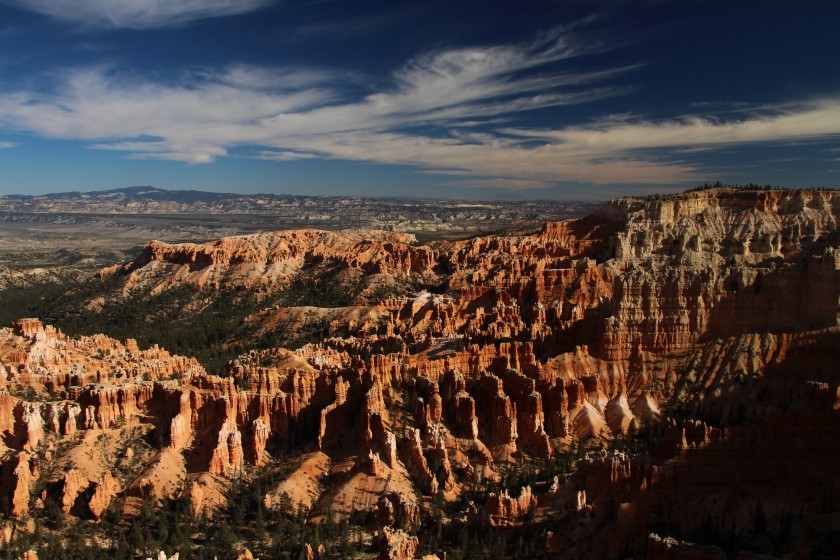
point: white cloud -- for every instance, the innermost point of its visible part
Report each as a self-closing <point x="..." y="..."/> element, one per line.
<point x="286" y="155"/>
<point x="814" y="119"/>
<point x="137" y="14"/>
<point x="4" y="145"/>
<point x="550" y="162"/>
<point x="445" y="112"/>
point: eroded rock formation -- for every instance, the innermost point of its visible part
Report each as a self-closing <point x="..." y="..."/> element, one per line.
<point x="658" y="363"/>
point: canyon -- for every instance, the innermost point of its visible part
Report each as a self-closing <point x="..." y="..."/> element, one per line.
<point x="92" y="229"/>
<point x="657" y="379"/>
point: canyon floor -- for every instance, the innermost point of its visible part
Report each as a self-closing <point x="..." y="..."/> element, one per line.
<point x="656" y="378"/>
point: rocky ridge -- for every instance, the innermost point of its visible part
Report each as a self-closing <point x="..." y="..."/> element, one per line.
<point x="676" y="357"/>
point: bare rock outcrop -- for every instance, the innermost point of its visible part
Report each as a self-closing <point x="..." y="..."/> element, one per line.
<point x="104" y="490"/>
<point x="18" y="480"/>
<point x="505" y="510"/>
<point x="271" y="259"/>
<point x="658" y="363"/>
<point x="672" y="549"/>
<point x="74" y="484"/>
<point x="397" y="545"/>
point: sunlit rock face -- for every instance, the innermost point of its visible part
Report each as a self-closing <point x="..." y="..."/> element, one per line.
<point x="704" y="322"/>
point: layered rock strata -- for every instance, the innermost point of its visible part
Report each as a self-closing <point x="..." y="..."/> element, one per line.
<point x="705" y="322"/>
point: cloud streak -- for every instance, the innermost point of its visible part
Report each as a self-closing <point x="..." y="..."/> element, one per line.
<point x="814" y="119"/>
<point x="449" y="111"/>
<point x="137" y="14"/>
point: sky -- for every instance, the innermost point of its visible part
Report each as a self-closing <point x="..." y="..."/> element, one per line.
<point x="476" y="99"/>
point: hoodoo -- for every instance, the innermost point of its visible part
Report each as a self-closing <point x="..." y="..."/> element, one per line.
<point x="661" y="366"/>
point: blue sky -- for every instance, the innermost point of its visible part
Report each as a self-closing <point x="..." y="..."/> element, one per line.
<point x="576" y="99"/>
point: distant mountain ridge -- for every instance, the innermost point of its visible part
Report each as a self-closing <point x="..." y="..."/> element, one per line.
<point x="327" y="212"/>
<point x="127" y="193"/>
<point x="223" y="202"/>
<point x="146" y="195"/>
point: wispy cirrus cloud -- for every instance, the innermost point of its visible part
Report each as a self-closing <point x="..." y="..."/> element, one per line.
<point x="450" y="111"/>
<point x="197" y="117"/>
<point x="4" y="145"/>
<point x="784" y="122"/>
<point x="286" y="155"/>
<point x="137" y="14"/>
